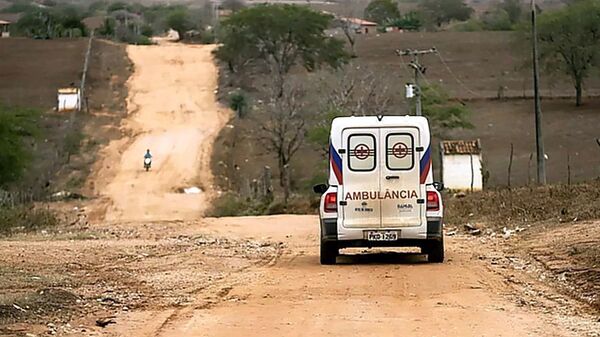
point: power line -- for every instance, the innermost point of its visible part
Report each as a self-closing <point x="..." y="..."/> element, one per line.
<point x="419" y="70"/>
<point x="462" y="84"/>
<point x="427" y="81"/>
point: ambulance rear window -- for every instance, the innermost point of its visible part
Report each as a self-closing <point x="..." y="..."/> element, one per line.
<point x="400" y="151"/>
<point x="361" y="152"/>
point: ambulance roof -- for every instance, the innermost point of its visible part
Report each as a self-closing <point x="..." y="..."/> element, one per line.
<point x="341" y="123"/>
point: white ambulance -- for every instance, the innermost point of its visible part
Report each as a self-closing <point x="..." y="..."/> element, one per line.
<point x="380" y="191"/>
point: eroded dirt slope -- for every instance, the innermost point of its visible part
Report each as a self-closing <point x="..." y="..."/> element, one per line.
<point x="172" y="112"/>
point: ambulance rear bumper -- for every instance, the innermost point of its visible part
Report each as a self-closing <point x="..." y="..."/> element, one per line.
<point x="355" y="237"/>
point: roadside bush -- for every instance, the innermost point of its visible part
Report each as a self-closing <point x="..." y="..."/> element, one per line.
<point x="238" y="102"/>
<point x="17" y="125"/>
<point x="232" y="204"/>
<point x="25" y="218"/>
<point x="208" y="37"/>
<point x="142" y="40"/>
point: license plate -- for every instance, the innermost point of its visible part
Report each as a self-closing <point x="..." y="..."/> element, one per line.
<point x="382" y="235"/>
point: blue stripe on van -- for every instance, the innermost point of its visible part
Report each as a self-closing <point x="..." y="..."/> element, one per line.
<point x="425" y="164"/>
<point x="336" y="163"/>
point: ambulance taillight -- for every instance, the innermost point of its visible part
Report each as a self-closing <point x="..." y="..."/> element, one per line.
<point x="433" y="201"/>
<point x="331" y="202"/>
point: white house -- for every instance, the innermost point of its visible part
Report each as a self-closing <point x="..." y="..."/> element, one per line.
<point x="361" y="26"/>
<point x="461" y="164"/>
<point x="4" y="25"/>
<point x="69" y="99"/>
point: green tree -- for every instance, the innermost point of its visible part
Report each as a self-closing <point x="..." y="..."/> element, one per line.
<point x="443" y="114"/>
<point x="279" y="37"/>
<point x="16" y="126"/>
<point x="382" y="11"/>
<point x="439" y="12"/>
<point x="108" y="27"/>
<point x="514" y="10"/>
<point x="34" y="24"/>
<point x="497" y="19"/>
<point x="179" y="20"/>
<point x="409" y="21"/>
<point x="569" y="41"/>
<point x="59" y="21"/>
<point x="69" y="18"/>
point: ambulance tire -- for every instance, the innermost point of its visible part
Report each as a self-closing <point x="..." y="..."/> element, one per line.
<point x="435" y="251"/>
<point x="329" y="252"/>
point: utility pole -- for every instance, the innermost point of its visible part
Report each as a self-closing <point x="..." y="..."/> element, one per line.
<point x="419" y="70"/>
<point x="539" y="140"/>
<point x="217" y="19"/>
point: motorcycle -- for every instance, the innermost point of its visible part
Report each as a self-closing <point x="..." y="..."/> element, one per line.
<point x="147" y="163"/>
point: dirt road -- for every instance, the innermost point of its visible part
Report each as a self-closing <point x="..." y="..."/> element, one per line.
<point x="282" y="291"/>
<point x="157" y="269"/>
<point x="370" y="294"/>
<point x="173" y="112"/>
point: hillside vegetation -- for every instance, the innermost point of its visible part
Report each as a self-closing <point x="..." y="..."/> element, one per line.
<point x="486" y="73"/>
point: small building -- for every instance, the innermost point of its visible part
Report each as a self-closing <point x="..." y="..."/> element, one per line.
<point x="361" y="26"/>
<point x="6" y="21"/>
<point x="4" y="26"/>
<point x="461" y="164"/>
<point x="69" y="99"/>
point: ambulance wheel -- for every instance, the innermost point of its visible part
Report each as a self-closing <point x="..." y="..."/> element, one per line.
<point x="329" y="252"/>
<point x="435" y="251"/>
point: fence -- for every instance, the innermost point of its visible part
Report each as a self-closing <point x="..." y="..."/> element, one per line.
<point x="260" y="188"/>
<point x="12" y="199"/>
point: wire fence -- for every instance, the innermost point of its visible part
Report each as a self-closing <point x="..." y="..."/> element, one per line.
<point x="12" y="199"/>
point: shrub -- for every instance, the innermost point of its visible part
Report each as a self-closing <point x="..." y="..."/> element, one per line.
<point x="142" y="40"/>
<point x="232" y="204"/>
<point x="473" y="25"/>
<point x="238" y="103"/>
<point x="73" y="143"/>
<point x="496" y="20"/>
<point x="25" y="218"/>
<point x="17" y="125"/>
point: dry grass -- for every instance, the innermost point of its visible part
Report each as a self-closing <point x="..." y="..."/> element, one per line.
<point x="25" y="218"/>
<point x="526" y="205"/>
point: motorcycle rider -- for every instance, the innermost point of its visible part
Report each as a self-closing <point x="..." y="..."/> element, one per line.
<point x="147" y="160"/>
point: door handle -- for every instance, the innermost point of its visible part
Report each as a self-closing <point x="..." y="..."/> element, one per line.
<point x="392" y="177"/>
